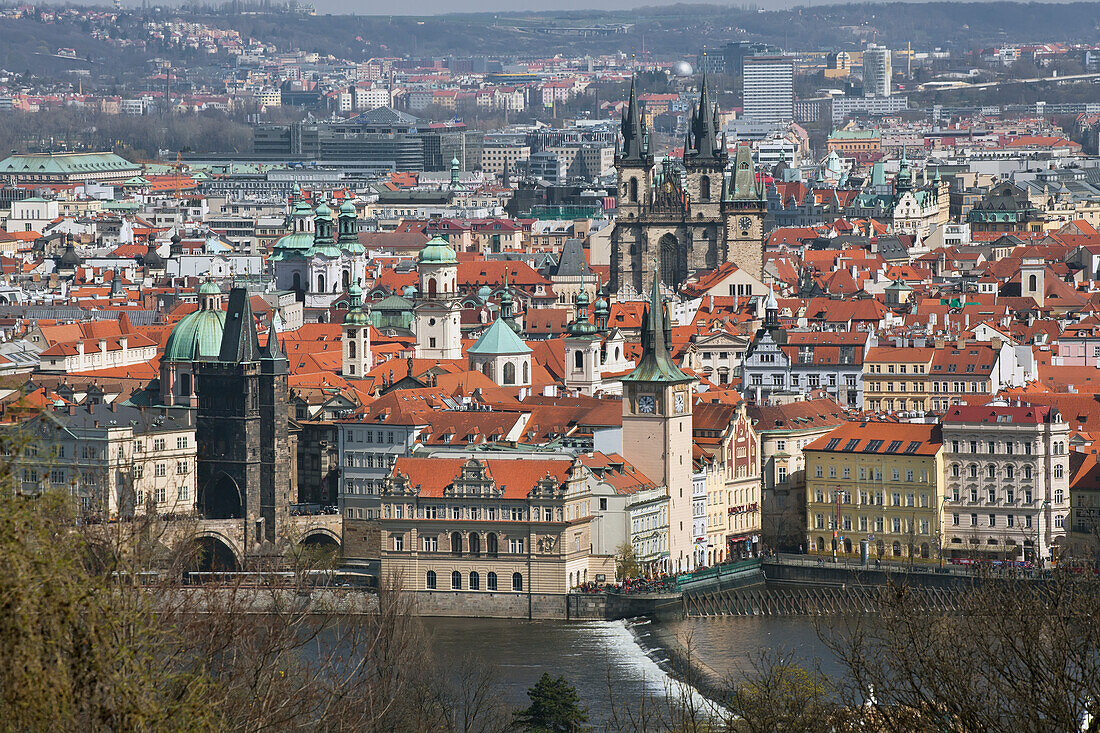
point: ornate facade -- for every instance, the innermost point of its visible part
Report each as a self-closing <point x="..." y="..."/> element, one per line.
<point x="690" y="219"/>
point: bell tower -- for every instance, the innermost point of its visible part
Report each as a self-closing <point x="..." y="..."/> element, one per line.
<point x="356" y="336"/>
<point x="438" y="326"/>
<point x="744" y="207"/>
<point x="657" y="425"/>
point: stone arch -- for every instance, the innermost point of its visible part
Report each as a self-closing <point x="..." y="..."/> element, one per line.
<point x="320" y="283"/>
<point x="221" y="498"/>
<point x="214" y="552"/>
<point x="704" y="188"/>
<point x="509" y="372"/>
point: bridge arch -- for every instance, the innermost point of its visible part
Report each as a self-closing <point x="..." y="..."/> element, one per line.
<point x="214" y="552"/>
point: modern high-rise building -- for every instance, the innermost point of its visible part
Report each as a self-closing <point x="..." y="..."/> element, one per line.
<point x="876" y="71"/>
<point x="768" y="89"/>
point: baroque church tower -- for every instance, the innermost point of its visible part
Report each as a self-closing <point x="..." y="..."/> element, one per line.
<point x="687" y="217"/>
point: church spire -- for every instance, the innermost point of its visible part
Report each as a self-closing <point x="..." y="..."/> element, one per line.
<point x="703" y="132"/>
<point x="656" y="364"/>
<point x="632" y="129"/>
<point x="745" y="186"/>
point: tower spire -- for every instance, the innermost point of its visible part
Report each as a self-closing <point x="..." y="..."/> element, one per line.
<point x="633" y="130"/>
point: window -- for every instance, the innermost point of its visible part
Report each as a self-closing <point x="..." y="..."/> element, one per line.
<point x="1010" y="471"/>
<point x="398" y="542"/>
<point x="992" y="520"/>
<point x="832" y="471"/>
<point x="818" y="472"/>
<point x="908" y="475"/>
<point x="1011" y="520"/>
<point x="515" y="546"/>
<point x="456" y="580"/>
<point x="780" y="477"/>
<point x="819" y="522"/>
<point x="781" y="445"/>
<point x="161" y="469"/>
<point x="897" y="474"/>
<point x="1059" y="472"/>
<point x="973" y="470"/>
<point x="1027" y="521"/>
<point x="475" y="581"/>
<point x="1027" y="469"/>
<point x="456" y="543"/>
<point x="57" y="476"/>
<point x="491" y="548"/>
<point x="182" y="493"/>
<point x="955" y="519"/>
<point x="429" y="581"/>
<point x="847" y="472"/>
<point x="181" y="468"/>
<point x="181" y="442"/>
<point x="1059" y="496"/>
<point x="973" y="520"/>
<point x="517" y="582"/>
<point x="991" y="471"/>
<point x="158" y="444"/>
<point x="431" y="544"/>
<point x="992" y="496"/>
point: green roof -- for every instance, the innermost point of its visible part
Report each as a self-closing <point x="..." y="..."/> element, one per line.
<point x="854" y="135"/>
<point x="499" y="339"/>
<point x="437" y="251"/>
<point x="197" y="337"/>
<point x="65" y="163"/>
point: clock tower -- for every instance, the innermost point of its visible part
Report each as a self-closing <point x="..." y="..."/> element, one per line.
<point x="743" y="208"/>
<point x="657" y="435"/>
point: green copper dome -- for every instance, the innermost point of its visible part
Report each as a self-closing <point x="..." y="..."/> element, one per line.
<point x="198" y="337"/>
<point x="347" y="209"/>
<point x="209" y="288"/>
<point x="438" y="252"/>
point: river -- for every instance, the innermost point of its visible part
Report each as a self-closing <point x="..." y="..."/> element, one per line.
<point x="620" y="658"/>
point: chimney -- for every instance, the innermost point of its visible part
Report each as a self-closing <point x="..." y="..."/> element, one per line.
<point x="72" y="409"/>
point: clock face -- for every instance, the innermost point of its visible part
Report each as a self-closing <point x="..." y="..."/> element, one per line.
<point x="744" y="222"/>
<point x="679" y="402"/>
<point x="647" y="403"/>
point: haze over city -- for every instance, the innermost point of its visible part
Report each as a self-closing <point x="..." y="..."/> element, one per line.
<point x="527" y="366"/>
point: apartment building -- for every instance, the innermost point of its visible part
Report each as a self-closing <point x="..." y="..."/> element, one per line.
<point x="1007" y="481"/>
<point x="876" y="487"/>
<point x="114" y="460"/>
<point x="896" y="378"/>
<point x="784" y="430"/>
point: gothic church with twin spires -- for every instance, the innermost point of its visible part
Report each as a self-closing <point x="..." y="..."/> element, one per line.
<point x="691" y="219"/>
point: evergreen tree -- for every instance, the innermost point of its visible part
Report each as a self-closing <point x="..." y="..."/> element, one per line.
<point x="555" y="708"/>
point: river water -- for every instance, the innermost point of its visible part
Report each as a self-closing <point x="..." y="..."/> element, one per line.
<point x="604" y="658"/>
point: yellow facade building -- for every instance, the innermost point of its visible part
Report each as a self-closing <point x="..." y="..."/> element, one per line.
<point x="876" y="483"/>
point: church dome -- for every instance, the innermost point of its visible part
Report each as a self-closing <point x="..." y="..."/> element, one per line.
<point x="347" y="209"/>
<point x="198" y="336"/>
<point x="484" y="293"/>
<point x="209" y="288"/>
<point x="437" y="252"/>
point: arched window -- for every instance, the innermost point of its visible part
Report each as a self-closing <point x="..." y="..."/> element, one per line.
<point x="491" y="545"/>
<point x="667" y="247"/>
<point x="924" y="550"/>
<point x="526" y="373"/>
<point x="320" y="283"/>
<point x="1010" y="471"/>
<point x="297" y="281"/>
<point x="429" y="582"/>
<point x="578" y="360"/>
<point x="1027" y="471"/>
<point x="351" y="349"/>
<point x="185" y="385"/>
<point x="634" y="190"/>
<point x="487" y="369"/>
<point x="704" y="188"/>
<point x="955" y="470"/>
<point x="973" y="470"/>
<point x="456" y="580"/>
<point x="991" y="471"/>
<point x="456" y="543"/>
<point x="618" y="354"/>
<point x="491" y="581"/>
<point x="517" y="582"/>
<point x="475" y="581"/>
<point x="1032" y="283"/>
<point x="896" y="549"/>
<point x="432" y="287"/>
<point x="475" y="543"/>
<point x="1058" y="472"/>
<point x="1059" y="496"/>
<point x="509" y="373"/>
<point x="345" y="278"/>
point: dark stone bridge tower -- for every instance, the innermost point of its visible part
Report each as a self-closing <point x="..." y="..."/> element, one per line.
<point x="242" y="429"/>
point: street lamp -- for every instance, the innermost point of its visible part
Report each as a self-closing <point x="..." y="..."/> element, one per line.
<point x="1038" y="535"/>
